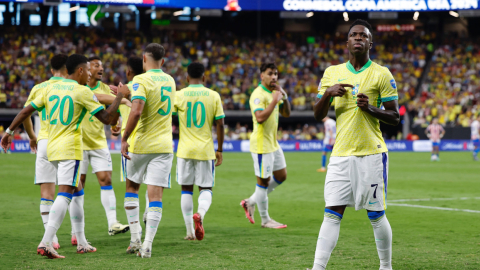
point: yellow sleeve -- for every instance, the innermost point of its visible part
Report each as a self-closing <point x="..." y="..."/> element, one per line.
<point x="219" y="114"/>
<point x="38" y="103"/>
<point x="257" y="102"/>
<point x="325" y="83"/>
<point x="139" y="91"/>
<point x="388" y="87"/>
<point x="32" y="96"/>
<point x="90" y="101"/>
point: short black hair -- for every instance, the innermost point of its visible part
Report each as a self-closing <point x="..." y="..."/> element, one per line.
<point x="58" y="61"/>
<point x="196" y="70"/>
<point x="93" y="58"/>
<point x="135" y="63"/>
<point x="74" y="61"/>
<point x="361" y="22"/>
<point x="266" y="66"/>
<point x="155" y="50"/>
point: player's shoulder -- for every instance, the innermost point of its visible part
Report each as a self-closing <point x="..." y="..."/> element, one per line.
<point x="258" y="91"/>
<point x="333" y="69"/>
<point x="381" y="69"/>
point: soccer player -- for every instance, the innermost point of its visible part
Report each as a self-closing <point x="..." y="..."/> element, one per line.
<point x="45" y="172"/>
<point x="147" y="145"/>
<point x="66" y="102"/>
<point x="198" y="108"/>
<point x="358" y="170"/>
<point x="435" y="132"/>
<point x="96" y="153"/>
<point x="330" y="128"/>
<point x="266" y="102"/>
<point x="475" y="126"/>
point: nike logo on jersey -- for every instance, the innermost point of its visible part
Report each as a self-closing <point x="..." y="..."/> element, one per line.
<point x="372" y="203"/>
<point x="340" y="80"/>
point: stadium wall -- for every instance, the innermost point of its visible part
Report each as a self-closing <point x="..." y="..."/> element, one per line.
<point x="298" y="146"/>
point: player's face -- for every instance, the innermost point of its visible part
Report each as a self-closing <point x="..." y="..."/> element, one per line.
<point x="96" y="69"/>
<point x="359" y="40"/>
<point x="85" y="76"/>
<point x="269" y="77"/>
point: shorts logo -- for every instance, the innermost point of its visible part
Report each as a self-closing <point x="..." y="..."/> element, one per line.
<point x="393" y="84"/>
<point x="268" y="169"/>
<point x="95" y="98"/>
<point x="135" y="86"/>
<point x="256" y="101"/>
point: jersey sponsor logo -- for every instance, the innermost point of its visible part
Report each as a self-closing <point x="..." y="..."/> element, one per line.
<point x="394" y="85"/>
<point x="95" y="98"/>
<point x="256" y="101"/>
<point x="135" y="86"/>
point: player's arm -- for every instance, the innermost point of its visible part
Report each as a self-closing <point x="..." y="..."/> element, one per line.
<point x="320" y="109"/>
<point x="135" y="113"/>
<point x="427" y="133"/>
<point x="263" y="115"/>
<point x="108" y="116"/>
<point x="389" y="116"/>
<point x="285" y="108"/>
<point x="220" y="136"/>
<point x="19" y="119"/>
<point x="108" y="100"/>
<point x="28" y="125"/>
<point x="442" y="133"/>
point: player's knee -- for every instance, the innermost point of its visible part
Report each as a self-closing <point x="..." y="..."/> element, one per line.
<point x="375" y="215"/>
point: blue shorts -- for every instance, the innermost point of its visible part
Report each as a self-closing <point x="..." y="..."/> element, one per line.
<point x="476" y="142"/>
<point x="328" y="148"/>
<point x="435" y="144"/>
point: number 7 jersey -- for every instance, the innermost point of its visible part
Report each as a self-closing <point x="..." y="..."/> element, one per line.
<point x="153" y="134"/>
<point x="66" y="103"/>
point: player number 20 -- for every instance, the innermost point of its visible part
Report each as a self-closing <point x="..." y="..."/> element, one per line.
<point x="193" y="114"/>
<point x="62" y="103"/>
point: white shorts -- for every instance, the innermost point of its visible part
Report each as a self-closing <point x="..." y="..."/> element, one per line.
<point x="150" y="169"/>
<point x="123" y="174"/>
<point x="196" y="172"/>
<point x="45" y="172"/>
<point x="67" y="172"/>
<point x="359" y="182"/>
<point x="266" y="164"/>
<point x="100" y="160"/>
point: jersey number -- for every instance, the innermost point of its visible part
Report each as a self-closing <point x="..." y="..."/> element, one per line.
<point x="194" y="116"/>
<point x="166" y="98"/>
<point x="62" y="109"/>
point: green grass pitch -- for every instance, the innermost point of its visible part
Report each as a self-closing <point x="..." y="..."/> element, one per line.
<point x="423" y="238"/>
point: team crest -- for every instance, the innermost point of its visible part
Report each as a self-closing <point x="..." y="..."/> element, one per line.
<point x="256" y="101"/>
<point x="135" y="86"/>
<point x="394" y="85"/>
<point x="355" y="89"/>
<point x="95" y="98"/>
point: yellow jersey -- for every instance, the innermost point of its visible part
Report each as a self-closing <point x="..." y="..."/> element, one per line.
<point x="153" y="134"/>
<point x="93" y="130"/>
<point x="197" y="108"/>
<point x="66" y="103"/>
<point x="124" y="111"/>
<point x="36" y="91"/>
<point x="358" y="132"/>
<point x="264" y="136"/>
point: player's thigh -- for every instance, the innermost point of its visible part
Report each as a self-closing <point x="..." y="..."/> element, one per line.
<point x="158" y="172"/>
<point x="84" y="163"/>
<point x="263" y="164"/>
<point x="205" y="173"/>
<point x="136" y="167"/>
<point x="279" y="162"/>
<point x="101" y="160"/>
<point x="45" y="172"/>
<point x="68" y="172"/>
<point x="338" y="186"/>
<point x="370" y="184"/>
<point x="185" y="171"/>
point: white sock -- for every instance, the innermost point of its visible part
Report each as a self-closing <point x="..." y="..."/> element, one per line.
<point x="272" y="184"/>
<point x="45" y="206"/>
<point x="327" y="238"/>
<point x="146" y="201"/>
<point x="383" y="239"/>
<point x="154" y="216"/>
<point x="57" y="214"/>
<point x="77" y="218"/>
<point x="187" y="210"/>
<point x="131" y="200"/>
<point x="204" y="202"/>
<point x="262" y="202"/>
<point x="109" y="203"/>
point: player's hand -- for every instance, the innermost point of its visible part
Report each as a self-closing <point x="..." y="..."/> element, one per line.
<point x="124" y="90"/>
<point x="277" y="96"/>
<point x="6" y="142"/>
<point x="124" y="149"/>
<point x="116" y="130"/>
<point x="219" y="158"/>
<point x="338" y="90"/>
<point x="362" y="101"/>
<point x="33" y="144"/>
<point x="113" y="89"/>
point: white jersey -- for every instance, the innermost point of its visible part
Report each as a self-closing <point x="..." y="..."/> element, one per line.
<point x="475" y="126"/>
<point x="330" y="132"/>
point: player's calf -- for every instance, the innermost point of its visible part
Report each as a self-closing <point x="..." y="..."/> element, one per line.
<point x="327" y="237"/>
<point x="383" y="238"/>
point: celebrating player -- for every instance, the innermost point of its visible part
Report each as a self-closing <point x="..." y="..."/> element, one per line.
<point x="358" y="169"/>
<point x="45" y="172"/>
<point x="198" y="108"/>
<point x="475" y="127"/>
<point x="148" y="146"/>
<point x="96" y="153"/>
<point x="435" y="132"/>
<point x="266" y="101"/>
<point x="329" y="140"/>
<point x="67" y="102"/>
